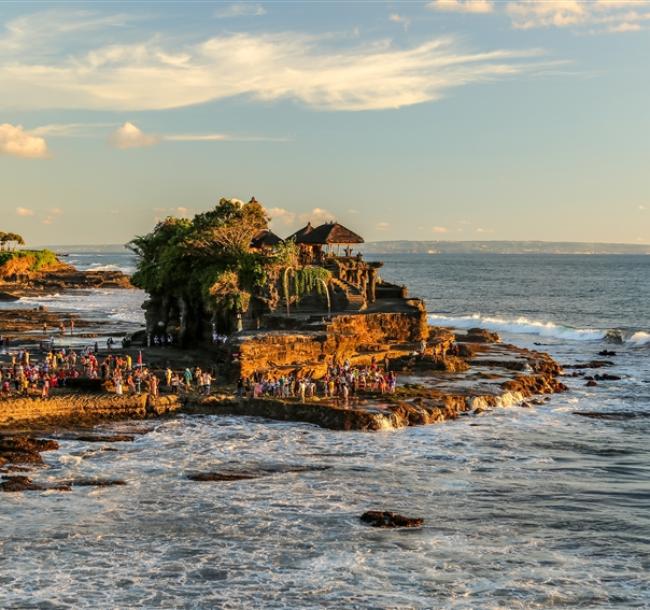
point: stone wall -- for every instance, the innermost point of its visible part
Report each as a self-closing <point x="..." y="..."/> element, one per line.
<point x="82" y="408"/>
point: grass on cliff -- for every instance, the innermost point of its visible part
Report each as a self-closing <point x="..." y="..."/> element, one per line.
<point x="36" y="259"/>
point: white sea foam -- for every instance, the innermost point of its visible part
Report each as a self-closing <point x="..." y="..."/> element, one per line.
<point x="520" y="325"/>
<point x="639" y="338"/>
<point x="122" y="268"/>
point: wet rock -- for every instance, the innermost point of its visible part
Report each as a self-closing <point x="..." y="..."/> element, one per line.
<point x="254" y="472"/>
<point x="479" y="335"/>
<point x="613" y="415"/>
<point x="95" y="482"/>
<point x="223" y="476"/>
<point x="607" y="353"/>
<point x="377" y="518"/>
<point x="592" y="364"/>
<point x="23" y="443"/>
<point x="6" y="296"/>
<point x="607" y="377"/>
<point x="17" y="483"/>
<point x="100" y="438"/>
<point x="591" y="384"/>
<point x="24" y="450"/>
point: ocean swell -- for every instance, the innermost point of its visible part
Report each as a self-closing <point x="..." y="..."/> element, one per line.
<point x="520" y="325"/>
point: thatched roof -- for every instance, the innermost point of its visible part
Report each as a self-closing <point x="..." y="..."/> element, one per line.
<point x="300" y="233"/>
<point x="265" y="238"/>
<point x="330" y="233"/>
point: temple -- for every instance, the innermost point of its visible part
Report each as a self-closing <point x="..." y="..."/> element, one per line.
<point x="315" y="300"/>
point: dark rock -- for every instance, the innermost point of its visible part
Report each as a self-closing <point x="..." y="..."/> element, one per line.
<point x="613" y="415"/>
<point x="379" y="518"/>
<point x="95" y="482"/>
<point x="22" y="483"/>
<point x="23" y="443"/>
<point x="592" y="364"/>
<point x="607" y="353"/>
<point x="591" y="384"/>
<point x="223" y="476"/>
<point x="607" y="377"/>
<point x="100" y="438"/>
<point x="6" y="296"/>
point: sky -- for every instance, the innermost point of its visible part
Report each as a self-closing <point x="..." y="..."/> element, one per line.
<point x="443" y="119"/>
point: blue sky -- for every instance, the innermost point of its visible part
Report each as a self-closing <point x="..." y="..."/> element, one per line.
<point x="448" y="119"/>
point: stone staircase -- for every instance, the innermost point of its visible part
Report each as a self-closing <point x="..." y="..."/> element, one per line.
<point x="346" y="297"/>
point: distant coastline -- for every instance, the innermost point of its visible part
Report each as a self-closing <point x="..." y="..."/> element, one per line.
<point x="440" y="247"/>
<point x="500" y="247"/>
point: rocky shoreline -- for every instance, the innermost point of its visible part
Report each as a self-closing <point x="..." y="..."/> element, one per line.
<point x="462" y="374"/>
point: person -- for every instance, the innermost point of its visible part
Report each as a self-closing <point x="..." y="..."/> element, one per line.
<point x="187" y="375"/>
<point x="45" y="328"/>
<point x="71" y="327"/>
<point x="168" y="377"/>
<point x="153" y="386"/>
<point x="423" y="347"/>
<point x="46" y="388"/>
<point x="240" y="387"/>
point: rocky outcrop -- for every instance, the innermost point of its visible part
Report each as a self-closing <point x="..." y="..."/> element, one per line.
<point x="357" y="338"/>
<point x="387" y="519"/>
<point x="73" y="409"/>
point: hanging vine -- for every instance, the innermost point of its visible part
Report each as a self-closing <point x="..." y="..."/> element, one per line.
<point x="306" y="280"/>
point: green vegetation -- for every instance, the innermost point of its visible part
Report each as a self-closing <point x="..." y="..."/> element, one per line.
<point x="208" y="264"/>
<point x="37" y="259"/>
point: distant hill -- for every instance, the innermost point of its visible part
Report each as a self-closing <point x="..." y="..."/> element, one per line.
<point x="500" y="247"/>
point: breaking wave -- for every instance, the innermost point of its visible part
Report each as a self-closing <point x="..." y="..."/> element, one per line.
<point x="639" y="338"/>
<point x="523" y="325"/>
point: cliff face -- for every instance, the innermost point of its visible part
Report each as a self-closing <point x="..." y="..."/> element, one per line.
<point x="356" y="337"/>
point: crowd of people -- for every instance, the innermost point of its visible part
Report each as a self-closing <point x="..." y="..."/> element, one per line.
<point x="341" y="383"/>
<point x="26" y="375"/>
<point x="119" y="373"/>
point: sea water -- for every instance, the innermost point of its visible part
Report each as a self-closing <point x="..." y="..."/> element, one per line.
<point x="523" y="508"/>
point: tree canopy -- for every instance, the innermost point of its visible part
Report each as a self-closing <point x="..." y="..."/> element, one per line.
<point x="10" y="240"/>
<point x="208" y="256"/>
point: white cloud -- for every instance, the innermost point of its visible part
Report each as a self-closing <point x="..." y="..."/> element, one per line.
<point x="218" y="137"/>
<point x="69" y="129"/>
<point x="131" y="136"/>
<point x="317" y="216"/>
<point x="16" y="142"/>
<point x="605" y="15"/>
<point x="24" y="212"/>
<point x="156" y="74"/>
<point x="462" y="6"/>
<point x="439" y="229"/>
<point x="397" y="18"/>
<point x="56" y="211"/>
<point x="642" y="208"/>
<point x="383" y="226"/>
<point x="482" y="230"/>
<point x="281" y="215"/>
<point x="240" y="9"/>
<point x="183" y="212"/>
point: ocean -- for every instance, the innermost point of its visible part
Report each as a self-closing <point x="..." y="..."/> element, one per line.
<point x="523" y="508"/>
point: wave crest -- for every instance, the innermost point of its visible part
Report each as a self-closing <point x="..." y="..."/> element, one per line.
<point x="521" y="325"/>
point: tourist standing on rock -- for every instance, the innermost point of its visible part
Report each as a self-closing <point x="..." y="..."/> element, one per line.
<point x="153" y="386"/>
<point x="187" y="376"/>
<point x="423" y="347"/>
<point x="168" y="377"/>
